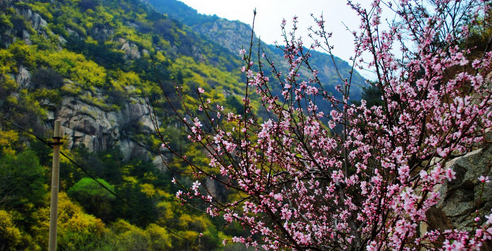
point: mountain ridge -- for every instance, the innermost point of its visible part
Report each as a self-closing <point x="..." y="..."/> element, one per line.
<point x="235" y="35"/>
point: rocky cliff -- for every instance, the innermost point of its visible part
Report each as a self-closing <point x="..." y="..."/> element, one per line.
<point x="100" y="125"/>
<point x="17" y="29"/>
<point x="99" y="129"/>
<point x="466" y="197"/>
<point x="233" y="35"/>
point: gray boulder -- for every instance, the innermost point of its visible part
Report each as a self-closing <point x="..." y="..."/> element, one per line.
<point x="465" y="197"/>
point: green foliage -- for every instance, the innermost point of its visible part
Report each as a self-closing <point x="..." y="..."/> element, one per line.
<point x="46" y="78"/>
<point x="9" y="142"/>
<point x="5" y="21"/>
<point x="52" y="96"/>
<point x="23" y="54"/>
<point x="23" y="181"/>
<point x="89" y="4"/>
<point x="100" y="52"/>
<point x="144" y="40"/>
<point x="153" y="237"/>
<point x="10" y="236"/>
<point x="372" y="95"/>
<point x="93" y="197"/>
<point x="76" y="67"/>
<point x="6" y="61"/>
<point x="481" y="33"/>
<point x="159" y="238"/>
<point x="19" y="106"/>
<point x="233" y="103"/>
<point x="42" y="9"/>
<point x="76" y="229"/>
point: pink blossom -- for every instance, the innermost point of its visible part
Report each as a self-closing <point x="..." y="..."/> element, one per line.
<point x="450" y="174"/>
<point x="178" y="194"/>
<point x="316" y="170"/>
<point x="484" y="179"/>
<point x="489" y="219"/>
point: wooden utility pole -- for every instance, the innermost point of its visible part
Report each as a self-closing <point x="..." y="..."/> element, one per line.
<point x="55" y="181"/>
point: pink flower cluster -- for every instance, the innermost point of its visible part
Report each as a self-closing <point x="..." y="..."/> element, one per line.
<point x="357" y="177"/>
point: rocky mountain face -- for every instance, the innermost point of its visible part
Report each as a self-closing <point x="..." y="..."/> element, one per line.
<point x="17" y="30"/>
<point x="466" y="194"/>
<point x="99" y="129"/>
<point x="83" y="122"/>
<point x="233" y="35"/>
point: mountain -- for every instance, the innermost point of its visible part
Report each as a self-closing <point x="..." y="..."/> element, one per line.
<point x="235" y="35"/>
<point x="101" y="53"/>
<point x="97" y="65"/>
<point x="102" y="67"/>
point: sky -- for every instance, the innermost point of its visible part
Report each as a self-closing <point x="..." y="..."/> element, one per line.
<point x="271" y="12"/>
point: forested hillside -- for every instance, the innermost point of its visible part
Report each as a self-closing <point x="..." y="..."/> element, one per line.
<point x="102" y="67"/>
<point x="234" y="35"/>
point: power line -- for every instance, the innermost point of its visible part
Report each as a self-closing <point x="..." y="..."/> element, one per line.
<point x="75" y="163"/>
<point x="87" y="173"/>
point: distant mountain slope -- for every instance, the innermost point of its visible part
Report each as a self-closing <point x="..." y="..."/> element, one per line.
<point x="234" y="35"/>
<point x="91" y="62"/>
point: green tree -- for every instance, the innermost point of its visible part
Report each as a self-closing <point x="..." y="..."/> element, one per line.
<point x="10" y="236"/>
<point x="93" y="197"/>
<point x="76" y="229"/>
<point x="159" y="237"/>
<point x="23" y="181"/>
<point x="24" y="54"/>
<point x="233" y="103"/>
<point x="46" y="78"/>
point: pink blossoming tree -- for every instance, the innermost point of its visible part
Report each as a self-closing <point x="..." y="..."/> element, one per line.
<point x="358" y="177"/>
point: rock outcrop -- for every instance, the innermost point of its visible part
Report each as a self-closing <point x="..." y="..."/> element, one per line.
<point x="131" y="50"/>
<point x="465" y="197"/>
<point x="37" y="22"/>
<point x="5" y="2"/>
<point x="23" y="78"/>
<point x="99" y="129"/>
<point x="233" y="35"/>
<point x="13" y="30"/>
<point x="101" y="33"/>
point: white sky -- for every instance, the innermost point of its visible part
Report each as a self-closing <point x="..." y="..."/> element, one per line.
<point x="271" y="12"/>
